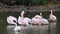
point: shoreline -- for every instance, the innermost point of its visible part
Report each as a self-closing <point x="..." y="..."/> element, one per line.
<point x="30" y="9"/>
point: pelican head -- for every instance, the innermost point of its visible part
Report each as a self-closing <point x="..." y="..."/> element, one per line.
<point x="51" y="12"/>
<point x="40" y="14"/>
<point x="22" y="13"/>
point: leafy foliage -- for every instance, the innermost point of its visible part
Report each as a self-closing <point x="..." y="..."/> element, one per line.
<point x="28" y="2"/>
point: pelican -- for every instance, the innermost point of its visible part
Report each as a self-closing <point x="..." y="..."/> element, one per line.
<point x="35" y="21"/>
<point x="27" y="19"/>
<point x="11" y="20"/>
<point x="38" y="16"/>
<point x="21" y="19"/>
<point x="52" y="17"/>
<point x="43" y="20"/>
<point x="17" y="28"/>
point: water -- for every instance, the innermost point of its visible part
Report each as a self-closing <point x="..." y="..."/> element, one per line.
<point x="52" y="28"/>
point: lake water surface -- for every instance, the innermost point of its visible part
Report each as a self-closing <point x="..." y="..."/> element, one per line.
<point x="52" y="28"/>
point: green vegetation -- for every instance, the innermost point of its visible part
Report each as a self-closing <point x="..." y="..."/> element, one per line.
<point x="29" y="2"/>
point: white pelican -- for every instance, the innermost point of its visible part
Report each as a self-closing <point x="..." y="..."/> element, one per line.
<point x="38" y="16"/>
<point x="11" y="20"/>
<point x="17" y="28"/>
<point x="21" y="19"/>
<point x="35" y="21"/>
<point x="43" y="20"/>
<point x="52" y="17"/>
<point x="27" y="19"/>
